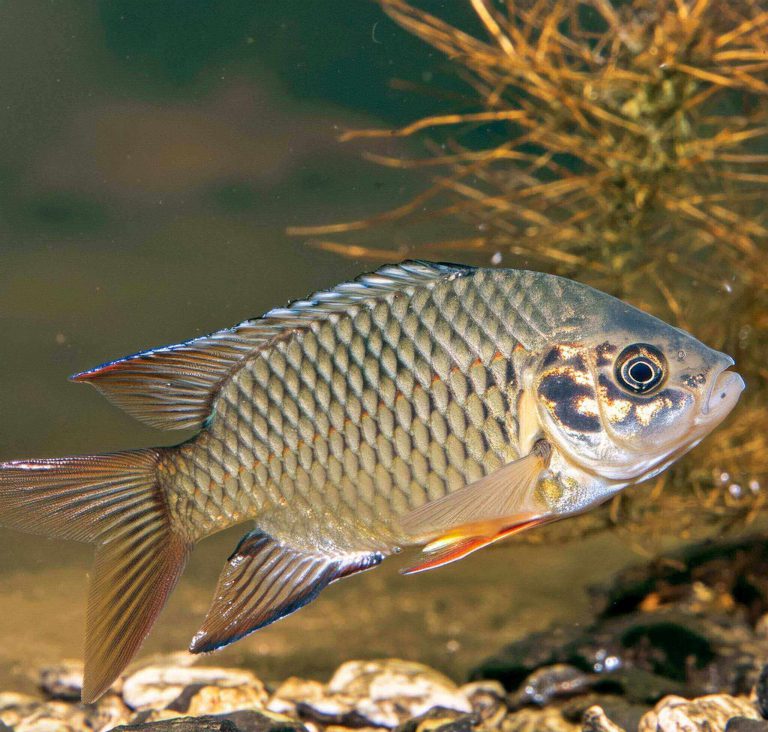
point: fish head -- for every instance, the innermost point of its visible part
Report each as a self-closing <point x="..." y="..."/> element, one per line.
<point x="628" y="396"/>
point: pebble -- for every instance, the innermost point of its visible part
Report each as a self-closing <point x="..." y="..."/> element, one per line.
<point x="106" y="713"/>
<point x="62" y="681"/>
<point x="198" y="701"/>
<point x="53" y="717"/>
<point x="487" y="699"/>
<point x="596" y="720"/>
<point x="157" y="686"/>
<point x="377" y="693"/>
<point x="531" y="719"/>
<point x="26" y="714"/>
<point x="705" y="714"/>
<point x="389" y="692"/>
<point x="16" y="707"/>
<point x="310" y="696"/>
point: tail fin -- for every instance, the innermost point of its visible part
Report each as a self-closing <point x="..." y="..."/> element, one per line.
<point x="115" y="502"/>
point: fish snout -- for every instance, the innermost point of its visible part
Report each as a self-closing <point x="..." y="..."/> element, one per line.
<point x="723" y="392"/>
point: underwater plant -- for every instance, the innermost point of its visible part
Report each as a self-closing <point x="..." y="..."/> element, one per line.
<point x="622" y="144"/>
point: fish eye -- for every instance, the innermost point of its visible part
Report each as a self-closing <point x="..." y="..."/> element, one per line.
<point x="640" y="368"/>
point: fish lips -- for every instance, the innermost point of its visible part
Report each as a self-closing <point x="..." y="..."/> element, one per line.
<point x="722" y="395"/>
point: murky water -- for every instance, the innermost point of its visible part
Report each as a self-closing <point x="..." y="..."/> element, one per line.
<point x="147" y="174"/>
<point x="450" y="619"/>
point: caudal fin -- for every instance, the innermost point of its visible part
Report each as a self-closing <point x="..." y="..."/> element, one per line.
<point x="115" y="502"/>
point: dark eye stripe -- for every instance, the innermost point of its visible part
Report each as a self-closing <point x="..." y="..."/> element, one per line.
<point x="605" y="354"/>
<point x="565" y="399"/>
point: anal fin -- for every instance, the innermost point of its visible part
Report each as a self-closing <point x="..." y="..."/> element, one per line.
<point x="265" y="580"/>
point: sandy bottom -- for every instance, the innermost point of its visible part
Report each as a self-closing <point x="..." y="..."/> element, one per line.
<point x="449" y="618"/>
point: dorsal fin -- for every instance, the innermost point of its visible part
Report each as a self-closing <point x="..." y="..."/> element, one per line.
<point x="173" y="387"/>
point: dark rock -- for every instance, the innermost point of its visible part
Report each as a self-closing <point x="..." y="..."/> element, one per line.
<point x="642" y="655"/>
<point x="623" y="713"/>
<point x="181" y="702"/>
<point x="761" y="690"/>
<point x="183" y="724"/>
<point x="351" y="718"/>
<point x="440" y="719"/>
<point x="515" y="662"/>
<point x="548" y="683"/>
<point x="245" y="721"/>
<point x="693" y="625"/>
<point x="640" y="686"/>
<point x="63" y="681"/>
<point x="738" y="571"/>
<point x="744" y="724"/>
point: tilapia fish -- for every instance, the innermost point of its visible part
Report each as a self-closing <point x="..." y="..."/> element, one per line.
<point x="432" y="404"/>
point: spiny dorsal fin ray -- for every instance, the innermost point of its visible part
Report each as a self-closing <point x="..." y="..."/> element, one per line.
<point x="265" y="580"/>
<point x="173" y="387"/>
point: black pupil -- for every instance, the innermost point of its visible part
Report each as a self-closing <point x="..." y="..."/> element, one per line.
<point x="641" y="372"/>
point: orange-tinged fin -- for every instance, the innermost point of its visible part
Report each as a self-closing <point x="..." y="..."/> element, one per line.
<point x="174" y="387"/>
<point x="451" y="548"/>
<point x="114" y="501"/>
<point x="505" y="497"/>
<point x="265" y="580"/>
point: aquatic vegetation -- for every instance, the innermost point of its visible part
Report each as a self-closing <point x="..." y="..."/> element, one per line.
<point x="622" y="144"/>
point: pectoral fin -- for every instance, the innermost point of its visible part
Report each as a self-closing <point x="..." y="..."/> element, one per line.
<point x="449" y="548"/>
<point x="498" y="505"/>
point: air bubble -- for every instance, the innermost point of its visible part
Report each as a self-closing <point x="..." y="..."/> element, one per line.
<point x="496" y="258"/>
<point x="735" y="490"/>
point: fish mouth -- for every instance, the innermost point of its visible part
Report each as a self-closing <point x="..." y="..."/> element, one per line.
<point x="723" y="393"/>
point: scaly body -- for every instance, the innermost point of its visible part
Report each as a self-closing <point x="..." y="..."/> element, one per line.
<point x="367" y="414"/>
<point x="424" y="403"/>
